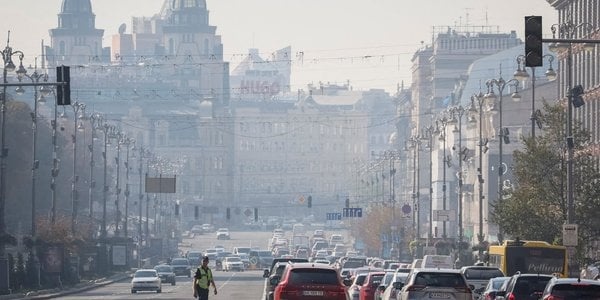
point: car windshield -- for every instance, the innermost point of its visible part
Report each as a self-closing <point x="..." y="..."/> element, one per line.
<point x="497" y="283"/>
<point x="139" y="274"/>
<point x="482" y="274"/>
<point x="440" y="279"/>
<point x="233" y="259"/>
<point x="351" y="264"/>
<point x="243" y="249"/>
<point x="265" y="253"/>
<point x="194" y="254"/>
<point x="313" y="276"/>
<point x="360" y="279"/>
<point x="576" y="291"/>
<point x="180" y="262"/>
<point x="526" y="286"/>
<point x="163" y="268"/>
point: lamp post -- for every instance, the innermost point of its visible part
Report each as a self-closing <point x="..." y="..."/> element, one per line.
<point x="118" y="136"/>
<point x="457" y="113"/>
<point x="95" y="121"/>
<point x="107" y="129"/>
<point x="477" y="103"/>
<point x="143" y="153"/>
<point x="442" y="124"/>
<point x="9" y="66"/>
<point x="78" y="113"/>
<point x="428" y="134"/>
<point x="127" y="141"/>
<point x="568" y="31"/>
<point x="35" y="78"/>
<point x="500" y="84"/>
<point x="522" y="75"/>
<point x="414" y="144"/>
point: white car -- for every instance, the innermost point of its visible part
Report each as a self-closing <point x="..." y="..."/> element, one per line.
<point x="233" y="263"/>
<point x="222" y="234"/>
<point x="146" y="280"/>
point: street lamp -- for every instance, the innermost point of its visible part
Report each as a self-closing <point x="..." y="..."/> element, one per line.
<point x="107" y="129"/>
<point x="118" y="136"/>
<point x="414" y="144"/>
<point x="428" y="135"/>
<point x="78" y="114"/>
<point x="95" y="122"/>
<point x="476" y="107"/>
<point x="569" y="31"/>
<point x="457" y="113"/>
<point x="500" y="84"/>
<point x="9" y="66"/>
<point x="522" y="76"/>
<point x="127" y="142"/>
<point x="35" y="78"/>
<point x="441" y="125"/>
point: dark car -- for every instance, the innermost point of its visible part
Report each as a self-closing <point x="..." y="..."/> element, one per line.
<point x="181" y="266"/>
<point x="260" y="258"/>
<point x="372" y="281"/>
<point x="275" y="272"/>
<point x="493" y="286"/>
<point x="524" y="287"/>
<point x="571" y="288"/>
<point x="166" y="274"/>
<point x="309" y="281"/>
<point x="277" y="260"/>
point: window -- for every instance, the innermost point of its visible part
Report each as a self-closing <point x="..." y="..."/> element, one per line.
<point x="313" y="276"/>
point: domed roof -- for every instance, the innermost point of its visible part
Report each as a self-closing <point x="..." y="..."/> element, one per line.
<point x="75" y="6"/>
<point x="183" y="4"/>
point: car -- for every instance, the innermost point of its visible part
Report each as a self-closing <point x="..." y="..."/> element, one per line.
<point x="571" y="288"/>
<point x="194" y="257"/>
<point x="207" y="228"/>
<point x="391" y="290"/>
<point x="367" y="290"/>
<point x="336" y="239"/>
<point x="435" y="283"/>
<point x="166" y="274"/>
<point x="479" y="276"/>
<point x="385" y="281"/>
<point x="197" y="229"/>
<point x="524" y="286"/>
<point x="146" y="280"/>
<point x="181" y="266"/>
<point x="239" y="250"/>
<point x="260" y="258"/>
<point x="233" y="263"/>
<point x="354" y="287"/>
<point x="223" y="234"/>
<point x="308" y="280"/>
<point x="276" y="271"/>
<point x="284" y="260"/>
<point x="490" y="290"/>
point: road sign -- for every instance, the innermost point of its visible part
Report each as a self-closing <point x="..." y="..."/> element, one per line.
<point x="444" y="215"/>
<point x="406" y="209"/>
<point x="570" y="235"/>
<point x="248" y="212"/>
<point x="352" y="212"/>
<point x="334" y="216"/>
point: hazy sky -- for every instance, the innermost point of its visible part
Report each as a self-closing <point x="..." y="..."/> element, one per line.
<point x="369" y="42"/>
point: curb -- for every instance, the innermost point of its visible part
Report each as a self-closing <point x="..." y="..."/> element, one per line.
<point x="55" y="293"/>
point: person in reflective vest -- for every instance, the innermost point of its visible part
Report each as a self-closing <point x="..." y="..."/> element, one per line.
<point x="203" y="279"/>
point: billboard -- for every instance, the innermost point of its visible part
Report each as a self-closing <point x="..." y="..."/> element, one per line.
<point x="160" y="185"/>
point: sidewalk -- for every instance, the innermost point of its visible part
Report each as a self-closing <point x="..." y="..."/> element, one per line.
<point x="80" y="287"/>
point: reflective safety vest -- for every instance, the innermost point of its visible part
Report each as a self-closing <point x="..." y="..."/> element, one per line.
<point x="204" y="279"/>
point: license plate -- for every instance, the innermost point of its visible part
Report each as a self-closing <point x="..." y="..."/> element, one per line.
<point x="312" y="293"/>
<point x="440" y="295"/>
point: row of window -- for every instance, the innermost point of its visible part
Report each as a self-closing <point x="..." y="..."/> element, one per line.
<point x="252" y="145"/>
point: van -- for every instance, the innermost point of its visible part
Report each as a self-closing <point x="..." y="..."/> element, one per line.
<point x="437" y="262"/>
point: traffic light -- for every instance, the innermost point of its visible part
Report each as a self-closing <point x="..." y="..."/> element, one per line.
<point x="255" y="214"/>
<point x="63" y="91"/>
<point x="228" y="213"/>
<point x="196" y="212"/>
<point x="576" y="97"/>
<point x="309" y="201"/>
<point x="347" y="202"/>
<point x="533" y="41"/>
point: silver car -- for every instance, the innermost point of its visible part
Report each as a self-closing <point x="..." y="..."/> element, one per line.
<point x="436" y="284"/>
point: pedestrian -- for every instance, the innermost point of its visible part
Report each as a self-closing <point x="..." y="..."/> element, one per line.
<point x="202" y="280"/>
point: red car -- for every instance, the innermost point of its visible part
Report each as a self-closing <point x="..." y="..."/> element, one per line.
<point x="309" y="280"/>
<point x="367" y="291"/>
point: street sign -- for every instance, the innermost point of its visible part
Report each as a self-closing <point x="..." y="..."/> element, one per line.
<point x="334" y="216"/>
<point x="248" y="212"/>
<point x="444" y="215"/>
<point x="570" y="235"/>
<point x="352" y="212"/>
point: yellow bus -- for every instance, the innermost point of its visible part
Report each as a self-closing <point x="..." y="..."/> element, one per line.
<point x="537" y="257"/>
